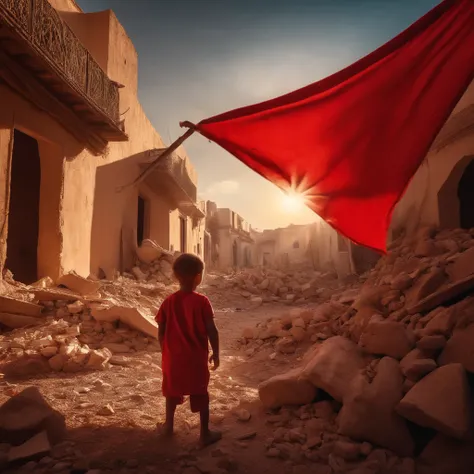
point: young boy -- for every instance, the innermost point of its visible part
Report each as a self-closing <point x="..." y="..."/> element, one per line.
<point x="185" y="325"/>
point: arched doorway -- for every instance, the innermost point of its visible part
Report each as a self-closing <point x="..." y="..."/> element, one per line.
<point x="466" y="197"/>
<point x="456" y="193"/>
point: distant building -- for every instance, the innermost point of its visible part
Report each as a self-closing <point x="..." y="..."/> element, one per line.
<point x="228" y="239"/>
<point x="284" y="247"/>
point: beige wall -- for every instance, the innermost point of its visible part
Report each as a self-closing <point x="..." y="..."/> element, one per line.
<point x="96" y="227"/>
<point x="280" y="243"/>
<point x="423" y="204"/>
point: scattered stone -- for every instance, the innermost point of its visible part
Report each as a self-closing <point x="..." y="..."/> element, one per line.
<point x="462" y="267"/>
<point x="34" y="448"/>
<point x="333" y="365"/>
<point x="27" y="414"/>
<point x="347" y="450"/>
<point x="106" y="410"/>
<point x="419" y="368"/>
<point x="431" y="343"/>
<point x="389" y="338"/>
<point x="242" y="414"/>
<point x="80" y="285"/>
<point x="286" y="389"/>
<point x="368" y="411"/>
<point x="460" y="349"/>
<point x="441" y="401"/>
<point x="57" y="362"/>
<point x="444" y="294"/>
<point x="15" y="321"/>
<point x="16" y="306"/>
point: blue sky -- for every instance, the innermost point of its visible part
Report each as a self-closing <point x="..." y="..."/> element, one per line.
<point x="198" y="58"/>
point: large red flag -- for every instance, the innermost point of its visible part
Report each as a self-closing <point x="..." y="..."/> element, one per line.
<point x="352" y="142"/>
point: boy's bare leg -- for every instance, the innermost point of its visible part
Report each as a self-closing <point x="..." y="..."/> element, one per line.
<point x="167" y="428"/>
<point x="207" y="437"/>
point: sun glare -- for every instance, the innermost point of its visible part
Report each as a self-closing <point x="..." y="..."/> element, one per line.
<point x="293" y="202"/>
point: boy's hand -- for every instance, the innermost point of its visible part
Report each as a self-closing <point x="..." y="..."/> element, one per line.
<point x="214" y="359"/>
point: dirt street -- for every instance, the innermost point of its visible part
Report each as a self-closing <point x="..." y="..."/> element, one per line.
<point x="123" y="439"/>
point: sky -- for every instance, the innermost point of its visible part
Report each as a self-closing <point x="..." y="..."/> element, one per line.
<point x="199" y="58"/>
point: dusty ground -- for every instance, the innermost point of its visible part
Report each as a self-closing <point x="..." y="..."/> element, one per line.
<point x="126" y="441"/>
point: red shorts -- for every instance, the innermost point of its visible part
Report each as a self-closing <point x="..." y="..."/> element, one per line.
<point x="198" y="403"/>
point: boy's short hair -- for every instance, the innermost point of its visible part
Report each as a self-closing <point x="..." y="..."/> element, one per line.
<point x="188" y="265"/>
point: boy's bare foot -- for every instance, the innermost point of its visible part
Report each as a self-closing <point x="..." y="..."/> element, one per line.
<point x="164" y="430"/>
<point x="209" y="437"/>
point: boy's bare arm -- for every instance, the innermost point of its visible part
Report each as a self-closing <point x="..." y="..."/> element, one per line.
<point x="213" y="336"/>
<point x="161" y="334"/>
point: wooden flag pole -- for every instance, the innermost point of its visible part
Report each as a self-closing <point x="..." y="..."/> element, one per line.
<point x="178" y="142"/>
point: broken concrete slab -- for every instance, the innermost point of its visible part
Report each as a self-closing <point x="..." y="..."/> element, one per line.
<point x="55" y="294"/>
<point x="16" y="306"/>
<point x="34" y="448"/>
<point x="27" y="414"/>
<point x="417" y="369"/>
<point x="441" y="321"/>
<point x="133" y="317"/>
<point x="368" y="411"/>
<point x="444" y="294"/>
<point x="425" y="286"/>
<point x="15" y="321"/>
<point x="412" y="356"/>
<point x="78" y="284"/>
<point x="462" y="267"/>
<point x="460" y="349"/>
<point x="286" y="389"/>
<point x="389" y="338"/>
<point x="440" y="401"/>
<point x="333" y="365"/>
<point x="149" y="251"/>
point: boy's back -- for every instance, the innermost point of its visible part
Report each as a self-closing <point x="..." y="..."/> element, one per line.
<point x="185" y="343"/>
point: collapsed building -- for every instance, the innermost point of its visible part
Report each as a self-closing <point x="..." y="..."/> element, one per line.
<point x="72" y="131"/>
<point x="230" y="243"/>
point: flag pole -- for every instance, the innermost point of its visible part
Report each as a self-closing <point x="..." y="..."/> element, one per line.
<point x="178" y="142"/>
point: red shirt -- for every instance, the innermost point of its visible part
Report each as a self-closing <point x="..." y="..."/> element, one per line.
<point x="185" y="349"/>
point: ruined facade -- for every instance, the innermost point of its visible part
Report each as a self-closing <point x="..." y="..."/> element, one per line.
<point x="72" y="132"/>
<point x="229" y="240"/>
<point x="284" y="247"/>
<point x="441" y="192"/>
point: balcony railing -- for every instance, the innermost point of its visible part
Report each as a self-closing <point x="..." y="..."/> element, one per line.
<point x="40" y="25"/>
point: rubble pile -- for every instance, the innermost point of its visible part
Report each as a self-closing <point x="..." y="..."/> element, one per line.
<point x="153" y="265"/>
<point x="395" y="360"/>
<point x="264" y="285"/>
<point x="57" y="329"/>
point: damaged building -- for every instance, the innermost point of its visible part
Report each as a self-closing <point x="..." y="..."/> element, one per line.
<point x="284" y="247"/>
<point x="72" y="132"/>
<point x="228" y="241"/>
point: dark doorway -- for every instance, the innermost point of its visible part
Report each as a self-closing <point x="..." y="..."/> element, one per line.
<point x="141" y="220"/>
<point x="182" y="234"/>
<point x="23" y="217"/>
<point x="466" y="197"/>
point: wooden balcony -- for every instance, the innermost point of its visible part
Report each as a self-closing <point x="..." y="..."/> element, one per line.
<point x="35" y="41"/>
